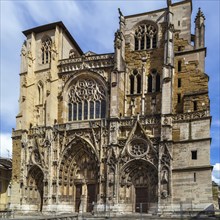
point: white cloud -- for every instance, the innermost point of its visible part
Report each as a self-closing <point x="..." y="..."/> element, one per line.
<point x="216" y="173"/>
<point x="5" y="145"/>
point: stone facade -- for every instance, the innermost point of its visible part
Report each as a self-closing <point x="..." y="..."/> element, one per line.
<point x="122" y="132"/>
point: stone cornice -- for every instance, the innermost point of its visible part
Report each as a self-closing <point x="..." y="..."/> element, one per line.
<point x="192" y="168"/>
<point x="192" y="140"/>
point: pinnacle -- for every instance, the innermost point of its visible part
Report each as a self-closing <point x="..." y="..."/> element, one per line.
<point x="199" y="14"/>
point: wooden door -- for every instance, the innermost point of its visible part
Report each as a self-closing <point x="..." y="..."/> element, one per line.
<point x="91" y="197"/>
<point x="141" y="199"/>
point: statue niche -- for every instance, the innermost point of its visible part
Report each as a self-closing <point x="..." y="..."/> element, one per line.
<point x="164" y="183"/>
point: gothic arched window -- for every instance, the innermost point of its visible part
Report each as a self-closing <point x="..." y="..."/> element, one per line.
<point x="154" y="81"/>
<point x="40" y="89"/>
<point x="46" y="44"/>
<point x="86" y="100"/>
<point x="103" y="108"/>
<point x="85" y="110"/>
<point x="70" y="114"/>
<point x="157" y="82"/>
<point x="149" y="83"/>
<point x="145" y="37"/>
<point x="138" y="83"/>
<point x="135" y="82"/>
<point x="131" y="84"/>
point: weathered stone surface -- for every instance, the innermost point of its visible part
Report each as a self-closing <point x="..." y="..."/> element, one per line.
<point x="114" y="132"/>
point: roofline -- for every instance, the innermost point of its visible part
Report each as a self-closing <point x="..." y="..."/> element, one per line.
<point x="160" y="10"/>
<point x="52" y="26"/>
<point x="183" y="2"/>
<point x="145" y="13"/>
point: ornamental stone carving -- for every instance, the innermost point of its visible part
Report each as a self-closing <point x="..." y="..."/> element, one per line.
<point x="145" y="29"/>
<point x="138" y="148"/>
<point x="86" y="89"/>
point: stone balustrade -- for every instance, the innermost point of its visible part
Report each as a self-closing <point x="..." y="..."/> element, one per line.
<point x="86" y="62"/>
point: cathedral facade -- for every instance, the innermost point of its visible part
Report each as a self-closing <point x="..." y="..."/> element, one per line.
<point x="127" y="131"/>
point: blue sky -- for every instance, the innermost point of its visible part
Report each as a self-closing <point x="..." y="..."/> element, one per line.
<point x="92" y="24"/>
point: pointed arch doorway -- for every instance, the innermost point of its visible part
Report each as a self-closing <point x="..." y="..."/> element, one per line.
<point x="78" y="176"/>
<point x="142" y="179"/>
<point x="35" y="187"/>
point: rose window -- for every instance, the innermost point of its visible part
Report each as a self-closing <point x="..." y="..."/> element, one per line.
<point x="138" y="148"/>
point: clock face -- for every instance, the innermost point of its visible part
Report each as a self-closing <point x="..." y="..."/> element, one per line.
<point x="138" y="147"/>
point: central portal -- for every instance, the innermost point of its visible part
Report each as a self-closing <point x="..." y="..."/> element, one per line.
<point x="78" y="175"/>
<point x="141" y="199"/>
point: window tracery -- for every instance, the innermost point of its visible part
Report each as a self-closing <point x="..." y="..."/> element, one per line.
<point x="145" y="37"/>
<point x="138" y="148"/>
<point x="46" y="50"/>
<point x="135" y="82"/>
<point x="87" y="100"/>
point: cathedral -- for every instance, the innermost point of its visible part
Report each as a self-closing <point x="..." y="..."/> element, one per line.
<point x="122" y="132"/>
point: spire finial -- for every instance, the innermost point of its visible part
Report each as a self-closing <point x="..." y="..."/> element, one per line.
<point x="199" y="14"/>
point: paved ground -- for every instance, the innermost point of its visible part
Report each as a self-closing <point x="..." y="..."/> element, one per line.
<point x="88" y="216"/>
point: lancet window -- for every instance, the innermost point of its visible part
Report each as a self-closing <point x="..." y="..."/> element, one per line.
<point x="87" y="100"/>
<point x="154" y="81"/>
<point x="40" y="89"/>
<point x="145" y="37"/>
<point x="135" y="82"/>
<point x="46" y="50"/>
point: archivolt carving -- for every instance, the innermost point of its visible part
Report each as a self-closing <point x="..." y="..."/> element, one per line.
<point x="91" y="137"/>
<point x="79" y="163"/>
<point x="139" y="173"/>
